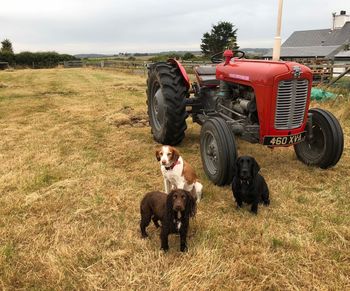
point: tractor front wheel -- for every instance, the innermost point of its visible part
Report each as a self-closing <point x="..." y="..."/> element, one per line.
<point x="218" y="151"/>
<point x="326" y="146"/>
<point x="166" y="102"/>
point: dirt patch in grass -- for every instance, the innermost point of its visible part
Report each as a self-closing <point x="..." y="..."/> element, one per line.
<point x="3" y="85"/>
<point x="128" y="117"/>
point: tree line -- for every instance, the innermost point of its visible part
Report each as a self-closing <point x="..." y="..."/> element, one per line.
<point x="30" y="59"/>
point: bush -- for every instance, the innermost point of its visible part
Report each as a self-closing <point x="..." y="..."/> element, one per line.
<point x="41" y="59"/>
<point x="7" y="57"/>
<point x="165" y="57"/>
<point x="188" y="56"/>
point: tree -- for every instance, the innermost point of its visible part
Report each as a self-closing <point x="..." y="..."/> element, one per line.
<point x="188" y="56"/>
<point x="221" y="37"/>
<point x="6" y="46"/>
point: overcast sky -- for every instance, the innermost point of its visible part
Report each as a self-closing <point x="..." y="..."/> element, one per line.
<point x="112" y="26"/>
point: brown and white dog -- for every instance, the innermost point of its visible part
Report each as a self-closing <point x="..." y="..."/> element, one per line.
<point x="177" y="173"/>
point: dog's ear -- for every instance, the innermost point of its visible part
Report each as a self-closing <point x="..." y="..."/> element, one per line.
<point x="158" y="155"/>
<point x="191" y="203"/>
<point x="175" y="154"/>
<point x="256" y="167"/>
<point x="235" y="168"/>
<point x="169" y="204"/>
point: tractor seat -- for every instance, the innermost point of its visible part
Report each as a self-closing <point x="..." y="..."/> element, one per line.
<point x="206" y="76"/>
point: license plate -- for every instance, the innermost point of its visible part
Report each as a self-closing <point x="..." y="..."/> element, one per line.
<point x="284" y="140"/>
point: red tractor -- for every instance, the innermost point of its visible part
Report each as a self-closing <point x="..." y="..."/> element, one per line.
<point x="260" y="101"/>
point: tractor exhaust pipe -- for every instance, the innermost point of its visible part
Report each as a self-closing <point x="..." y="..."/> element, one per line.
<point x="277" y="45"/>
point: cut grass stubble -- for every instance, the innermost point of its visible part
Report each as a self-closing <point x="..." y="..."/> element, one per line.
<point x="75" y="159"/>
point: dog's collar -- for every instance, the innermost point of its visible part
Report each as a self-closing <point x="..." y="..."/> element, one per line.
<point x="172" y="165"/>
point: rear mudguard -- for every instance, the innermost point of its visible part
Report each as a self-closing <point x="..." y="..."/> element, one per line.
<point x="183" y="72"/>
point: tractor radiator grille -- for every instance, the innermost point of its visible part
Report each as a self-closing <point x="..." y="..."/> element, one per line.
<point x="291" y="103"/>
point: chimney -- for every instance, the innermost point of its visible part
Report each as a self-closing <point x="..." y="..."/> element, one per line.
<point x="340" y="20"/>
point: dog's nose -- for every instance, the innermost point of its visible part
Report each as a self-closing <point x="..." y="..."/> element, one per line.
<point x="163" y="162"/>
<point x="177" y="208"/>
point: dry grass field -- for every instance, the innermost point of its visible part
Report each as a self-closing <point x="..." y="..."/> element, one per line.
<point x="76" y="156"/>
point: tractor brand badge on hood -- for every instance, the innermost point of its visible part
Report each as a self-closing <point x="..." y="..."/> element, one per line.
<point x="239" y="77"/>
<point x="296" y="72"/>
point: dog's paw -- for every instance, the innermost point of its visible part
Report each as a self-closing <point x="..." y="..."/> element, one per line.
<point x="266" y="203"/>
<point x="200" y="196"/>
<point x="165" y="249"/>
<point x="183" y="248"/>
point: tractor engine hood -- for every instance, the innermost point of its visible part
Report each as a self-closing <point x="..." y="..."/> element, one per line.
<point x="259" y="72"/>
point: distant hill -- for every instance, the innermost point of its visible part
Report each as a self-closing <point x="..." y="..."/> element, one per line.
<point x="250" y="51"/>
<point x="256" y="51"/>
<point x="91" y="56"/>
<point x="178" y="52"/>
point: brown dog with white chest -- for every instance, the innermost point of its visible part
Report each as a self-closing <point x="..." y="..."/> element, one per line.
<point x="173" y="210"/>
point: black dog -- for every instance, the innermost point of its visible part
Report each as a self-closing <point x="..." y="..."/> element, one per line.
<point x="173" y="210"/>
<point x="248" y="185"/>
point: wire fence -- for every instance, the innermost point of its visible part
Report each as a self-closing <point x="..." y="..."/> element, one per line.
<point x="323" y="71"/>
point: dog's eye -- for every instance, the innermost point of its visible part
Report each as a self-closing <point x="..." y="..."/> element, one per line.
<point x="161" y="153"/>
<point x="183" y="197"/>
<point x="168" y="154"/>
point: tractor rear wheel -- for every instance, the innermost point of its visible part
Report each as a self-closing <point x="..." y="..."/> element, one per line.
<point x="326" y="146"/>
<point x="166" y="102"/>
<point x="218" y="151"/>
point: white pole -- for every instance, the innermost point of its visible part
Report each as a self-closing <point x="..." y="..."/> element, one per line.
<point x="277" y="45"/>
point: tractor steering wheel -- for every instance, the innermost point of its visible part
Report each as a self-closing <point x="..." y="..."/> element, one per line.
<point x="217" y="58"/>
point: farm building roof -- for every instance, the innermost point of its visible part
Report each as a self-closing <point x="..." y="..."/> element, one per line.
<point x="339" y="36"/>
<point x="307" y="51"/>
<point x="315" y="43"/>
<point x="307" y="38"/>
<point x="343" y="54"/>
